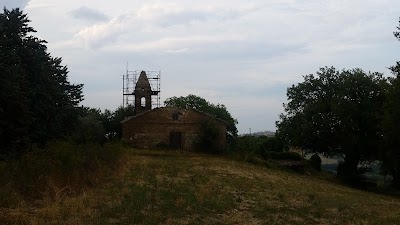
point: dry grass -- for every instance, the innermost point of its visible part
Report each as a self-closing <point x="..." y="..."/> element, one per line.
<point x="158" y="187"/>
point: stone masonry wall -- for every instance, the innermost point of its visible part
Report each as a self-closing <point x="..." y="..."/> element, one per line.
<point x="153" y="128"/>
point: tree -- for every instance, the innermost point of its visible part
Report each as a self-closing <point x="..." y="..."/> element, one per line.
<point x="37" y="101"/>
<point x="13" y="97"/>
<point x="219" y="111"/>
<point x="335" y="113"/>
<point x="249" y="145"/>
<point x="208" y="136"/>
<point x="113" y="125"/>
<point x="397" y="33"/>
<point x="89" y="130"/>
<point x="273" y="144"/>
<point x="390" y="154"/>
<point x="110" y="120"/>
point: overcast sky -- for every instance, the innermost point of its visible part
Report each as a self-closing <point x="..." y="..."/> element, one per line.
<point x="243" y="54"/>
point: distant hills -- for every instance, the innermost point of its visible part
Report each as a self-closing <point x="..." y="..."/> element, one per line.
<point x="261" y="133"/>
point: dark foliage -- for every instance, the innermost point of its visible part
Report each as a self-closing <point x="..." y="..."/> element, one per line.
<point x="315" y="162"/>
<point x="390" y="148"/>
<point x="257" y="146"/>
<point x="37" y="102"/>
<point x="89" y="130"/>
<point x="390" y="154"/>
<point x="109" y="120"/>
<point x="335" y="112"/>
<point x="249" y="145"/>
<point x="283" y="156"/>
<point x="397" y="33"/>
<point x="207" y="141"/>
<point x="272" y="144"/>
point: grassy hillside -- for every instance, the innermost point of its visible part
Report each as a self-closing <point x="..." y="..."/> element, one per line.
<point x="173" y="188"/>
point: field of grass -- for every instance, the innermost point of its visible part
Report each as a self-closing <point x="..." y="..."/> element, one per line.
<point x="156" y="187"/>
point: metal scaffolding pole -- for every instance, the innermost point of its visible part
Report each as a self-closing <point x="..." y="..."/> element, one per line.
<point x="128" y="87"/>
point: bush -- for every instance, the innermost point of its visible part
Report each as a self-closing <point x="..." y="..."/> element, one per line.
<point x="248" y="145"/>
<point x="315" y="162"/>
<point x="89" y="129"/>
<point x="124" y="143"/>
<point x="283" y="156"/>
<point x="272" y="144"/>
<point x="207" y="140"/>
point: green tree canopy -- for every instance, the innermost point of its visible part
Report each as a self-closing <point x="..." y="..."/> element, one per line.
<point x="37" y="102"/>
<point x="335" y="113"/>
<point x="196" y="102"/>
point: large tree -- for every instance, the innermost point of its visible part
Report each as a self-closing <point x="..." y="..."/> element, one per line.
<point x="390" y="154"/>
<point x="335" y="113"/>
<point x="391" y="123"/>
<point x="218" y="110"/>
<point x="37" y="102"/>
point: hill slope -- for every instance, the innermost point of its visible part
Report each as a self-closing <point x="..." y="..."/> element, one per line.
<point x="171" y="188"/>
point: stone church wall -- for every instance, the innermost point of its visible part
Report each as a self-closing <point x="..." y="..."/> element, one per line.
<point x="154" y="128"/>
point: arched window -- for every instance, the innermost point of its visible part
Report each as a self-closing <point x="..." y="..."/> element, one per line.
<point x="143" y="102"/>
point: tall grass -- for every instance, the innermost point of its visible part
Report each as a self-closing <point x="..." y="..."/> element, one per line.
<point x="56" y="171"/>
<point x="167" y="187"/>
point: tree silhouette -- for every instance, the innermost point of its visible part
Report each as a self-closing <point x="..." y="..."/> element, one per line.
<point x="37" y="102"/>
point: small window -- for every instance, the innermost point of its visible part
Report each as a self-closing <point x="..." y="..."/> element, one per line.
<point x="175" y="115"/>
<point x="143" y="102"/>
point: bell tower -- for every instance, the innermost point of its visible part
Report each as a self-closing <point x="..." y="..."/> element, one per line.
<point x="142" y="94"/>
<point x="138" y="92"/>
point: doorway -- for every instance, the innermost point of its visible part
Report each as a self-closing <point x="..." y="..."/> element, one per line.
<point x="175" y="140"/>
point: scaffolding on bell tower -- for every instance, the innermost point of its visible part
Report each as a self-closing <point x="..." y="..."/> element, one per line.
<point x="129" y="80"/>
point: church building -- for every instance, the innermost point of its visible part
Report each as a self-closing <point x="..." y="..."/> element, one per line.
<point x="167" y="126"/>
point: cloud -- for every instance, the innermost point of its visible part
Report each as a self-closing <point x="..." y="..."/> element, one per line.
<point x="240" y="53"/>
<point x="100" y="34"/>
<point x="156" y="24"/>
<point x="181" y="44"/>
<point x="92" y="15"/>
<point x="177" y="51"/>
<point x="10" y="4"/>
<point x="170" y="14"/>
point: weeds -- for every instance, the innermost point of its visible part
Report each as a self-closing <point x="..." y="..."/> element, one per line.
<point x="59" y="170"/>
<point x="171" y="188"/>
